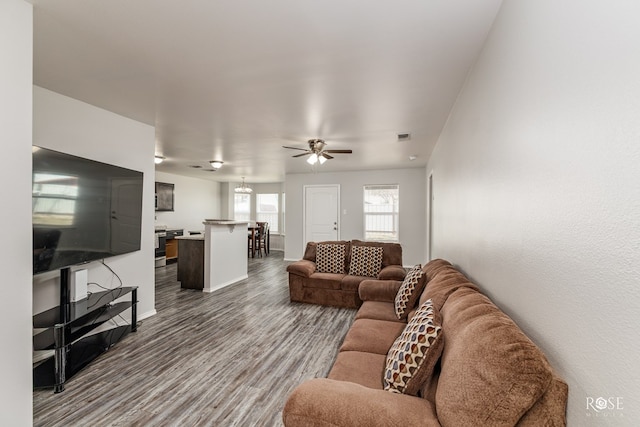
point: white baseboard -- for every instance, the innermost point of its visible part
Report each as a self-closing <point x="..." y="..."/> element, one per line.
<point x="224" y="284"/>
<point x="147" y="314"/>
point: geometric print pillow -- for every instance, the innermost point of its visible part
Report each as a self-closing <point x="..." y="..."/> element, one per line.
<point x="365" y="261"/>
<point x="330" y="258"/>
<point x="409" y="292"/>
<point x="413" y="355"/>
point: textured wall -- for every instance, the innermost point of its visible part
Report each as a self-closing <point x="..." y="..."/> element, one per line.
<point x="537" y="190"/>
<point x="16" y="46"/>
<point x="68" y="125"/>
<point x="412" y="202"/>
<point x="194" y="201"/>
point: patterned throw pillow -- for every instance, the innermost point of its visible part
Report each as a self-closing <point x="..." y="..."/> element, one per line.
<point x="365" y="261"/>
<point x="330" y="258"/>
<point x="409" y="292"/>
<point x="414" y="353"/>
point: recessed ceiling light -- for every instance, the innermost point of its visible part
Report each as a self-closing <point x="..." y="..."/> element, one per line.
<point x="195" y="166"/>
<point x="158" y="159"/>
<point x="404" y="136"/>
<point x="413" y="157"/>
<point x="216" y="164"/>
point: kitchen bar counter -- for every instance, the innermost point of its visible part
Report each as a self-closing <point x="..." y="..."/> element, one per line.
<point x="215" y="259"/>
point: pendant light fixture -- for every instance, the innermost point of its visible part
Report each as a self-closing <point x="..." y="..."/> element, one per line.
<point x="243" y="188"/>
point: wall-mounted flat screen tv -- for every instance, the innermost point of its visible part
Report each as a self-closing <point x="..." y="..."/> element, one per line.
<point x="83" y="210"/>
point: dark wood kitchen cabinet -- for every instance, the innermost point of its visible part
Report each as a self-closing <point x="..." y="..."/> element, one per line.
<point x="164" y="196"/>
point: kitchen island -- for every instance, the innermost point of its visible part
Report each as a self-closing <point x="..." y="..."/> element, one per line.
<point x="214" y="259"/>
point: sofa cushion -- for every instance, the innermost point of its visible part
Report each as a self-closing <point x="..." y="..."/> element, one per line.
<point x="391" y="252"/>
<point x="324" y="281"/>
<point x="310" y="250"/>
<point x="365" y="261"/>
<point x="371" y="336"/>
<point x="359" y="367"/>
<point x="352" y="283"/>
<point x="330" y="258"/>
<point x="321" y="402"/>
<point x="379" y="310"/>
<point x="414" y="353"/>
<point x="410" y="291"/>
<point x="434" y="266"/>
<point x="446" y="281"/>
<point x="500" y="372"/>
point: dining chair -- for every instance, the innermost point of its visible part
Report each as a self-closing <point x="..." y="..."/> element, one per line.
<point x="260" y="238"/>
<point x="251" y="241"/>
<point x="263" y="238"/>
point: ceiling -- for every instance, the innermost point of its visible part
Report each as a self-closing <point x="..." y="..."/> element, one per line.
<point x="235" y="80"/>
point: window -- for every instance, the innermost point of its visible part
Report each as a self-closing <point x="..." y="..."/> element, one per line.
<point x="242" y="207"/>
<point x="267" y="210"/>
<point x="381" y="204"/>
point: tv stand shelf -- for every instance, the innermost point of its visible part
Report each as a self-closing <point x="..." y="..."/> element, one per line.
<point x="67" y="331"/>
<point x="46" y="340"/>
<point x="79" y="355"/>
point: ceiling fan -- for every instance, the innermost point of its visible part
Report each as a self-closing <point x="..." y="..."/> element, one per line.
<point x="317" y="151"/>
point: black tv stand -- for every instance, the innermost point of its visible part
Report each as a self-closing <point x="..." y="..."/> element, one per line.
<point x="67" y="329"/>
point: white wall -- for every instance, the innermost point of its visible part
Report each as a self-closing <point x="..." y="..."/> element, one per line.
<point x="412" y="211"/>
<point x="16" y="47"/>
<point x="194" y="201"/>
<point x="73" y="127"/>
<point x="537" y="190"/>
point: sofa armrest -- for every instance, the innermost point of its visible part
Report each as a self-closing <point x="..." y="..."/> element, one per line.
<point x="303" y="268"/>
<point x="378" y="290"/>
<point x="325" y="402"/>
<point x="392" y="272"/>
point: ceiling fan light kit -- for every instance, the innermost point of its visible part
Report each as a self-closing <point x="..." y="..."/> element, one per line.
<point x="317" y="151"/>
<point x="216" y="164"/>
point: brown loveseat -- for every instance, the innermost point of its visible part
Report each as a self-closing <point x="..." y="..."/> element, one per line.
<point x="489" y="372"/>
<point x="307" y="284"/>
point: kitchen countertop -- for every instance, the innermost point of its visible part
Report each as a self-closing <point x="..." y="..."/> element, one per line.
<point x="223" y="222"/>
<point x="191" y="237"/>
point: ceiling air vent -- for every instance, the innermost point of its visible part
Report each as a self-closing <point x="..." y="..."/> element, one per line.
<point x="404" y="136"/>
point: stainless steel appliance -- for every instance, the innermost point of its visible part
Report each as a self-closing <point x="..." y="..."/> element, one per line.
<point x="161" y="248"/>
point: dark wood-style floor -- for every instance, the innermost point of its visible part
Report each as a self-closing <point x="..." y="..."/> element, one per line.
<point x="228" y="358"/>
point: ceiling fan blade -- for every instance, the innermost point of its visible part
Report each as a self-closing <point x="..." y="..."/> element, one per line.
<point x="325" y="155"/>
<point x="295" y="148"/>
<point x="302" y="154"/>
<point x="339" y="151"/>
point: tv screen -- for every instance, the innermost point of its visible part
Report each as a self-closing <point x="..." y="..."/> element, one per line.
<point x="83" y="210"/>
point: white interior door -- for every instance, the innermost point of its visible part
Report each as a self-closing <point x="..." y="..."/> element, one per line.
<point x="321" y="208"/>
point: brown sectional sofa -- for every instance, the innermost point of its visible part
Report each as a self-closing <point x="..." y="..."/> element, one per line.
<point x="489" y="373"/>
<point x="308" y="285"/>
